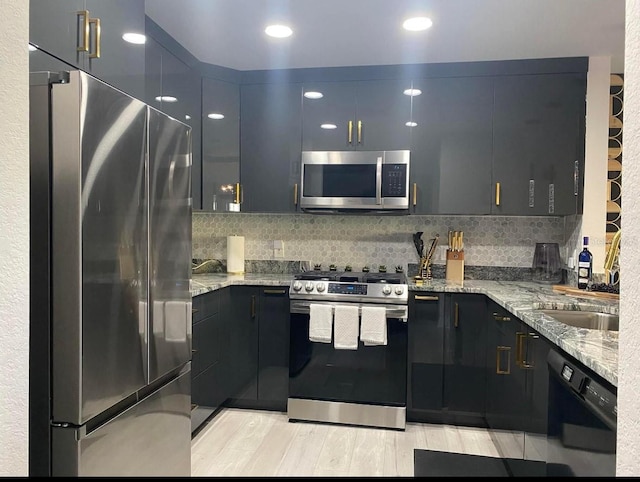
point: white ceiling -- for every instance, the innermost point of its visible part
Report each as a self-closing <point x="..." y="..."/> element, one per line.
<point x="329" y="33"/>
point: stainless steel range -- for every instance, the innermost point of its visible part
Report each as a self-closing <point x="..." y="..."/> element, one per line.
<point x="364" y="386"/>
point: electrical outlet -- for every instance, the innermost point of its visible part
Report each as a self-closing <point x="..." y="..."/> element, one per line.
<point x="278" y="248"/>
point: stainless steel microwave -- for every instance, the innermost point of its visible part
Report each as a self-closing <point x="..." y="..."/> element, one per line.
<point x="355" y="181"/>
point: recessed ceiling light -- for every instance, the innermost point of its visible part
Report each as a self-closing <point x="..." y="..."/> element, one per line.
<point x="329" y="126"/>
<point x="187" y="117"/>
<point x="134" y="38"/>
<point x="417" y="23"/>
<point x="215" y="115"/>
<point x="313" y="95"/>
<point x="166" y="98"/>
<point x="411" y="124"/>
<point x="278" y="31"/>
<point x="412" y="92"/>
<point x="32" y="48"/>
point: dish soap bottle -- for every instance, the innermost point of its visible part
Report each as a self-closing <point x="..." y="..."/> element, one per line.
<point x="585" y="265"/>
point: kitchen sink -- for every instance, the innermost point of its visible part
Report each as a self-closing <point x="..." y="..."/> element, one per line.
<point x="592" y="320"/>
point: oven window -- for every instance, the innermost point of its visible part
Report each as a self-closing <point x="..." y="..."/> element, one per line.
<point x="340" y="180"/>
<point x="371" y="374"/>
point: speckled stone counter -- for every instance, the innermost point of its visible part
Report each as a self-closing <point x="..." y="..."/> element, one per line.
<point x="596" y="349"/>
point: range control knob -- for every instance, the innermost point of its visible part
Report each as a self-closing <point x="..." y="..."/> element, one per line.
<point x="399" y="290"/>
<point x="308" y="286"/>
<point x="320" y="287"/>
<point x="297" y="286"/>
<point x="386" y="290"/>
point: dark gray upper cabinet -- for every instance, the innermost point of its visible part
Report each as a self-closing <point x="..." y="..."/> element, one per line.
<point x="87" y="34"/>
<point x="451" y="145"/>
<point x="367" y="115"/>
<point x="538" y="137"/>
<point x="221" y="190"/>
<point x="270" y="120"/>
<point x="172" y="87"/>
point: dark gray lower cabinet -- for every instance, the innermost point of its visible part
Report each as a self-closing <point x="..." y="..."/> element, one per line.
<point x="465" y="348"/>
<point x="208" y="367"/>
<point x="517" y="391"/>
<point x="425" y="357"/>
<point x="259" y="347"/>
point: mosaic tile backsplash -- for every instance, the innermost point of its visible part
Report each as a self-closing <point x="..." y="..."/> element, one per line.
<point x="359" y="241"/>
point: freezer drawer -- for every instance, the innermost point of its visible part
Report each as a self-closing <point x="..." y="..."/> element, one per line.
<point x="151" y="438"/>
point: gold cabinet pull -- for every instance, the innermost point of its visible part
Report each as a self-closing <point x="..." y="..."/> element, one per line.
<point x="295" y="194"/>
<point x="415" y="193"/>
<point x="425" y="298"/>
<point x="274" y="292"/>
<point x="456" y="317"/>
<point x="96" y="26"/>
<point x="350" y="132"/>
<point x="253" y="306"/>
<point x="498" y="317"/>
<point x="238" y="198"/>
<point x="497" y="194"/>
<point x="499" y="350"/>
<point x="359" y="132"/>
<point x="84" y="31"/>
<point x="519" y="348"/>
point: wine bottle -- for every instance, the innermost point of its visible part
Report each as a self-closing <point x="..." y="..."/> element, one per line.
<point x="585" y="265"/>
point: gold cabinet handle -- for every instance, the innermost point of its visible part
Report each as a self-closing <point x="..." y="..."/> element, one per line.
<point x="519" y="348"/>
<point x="350" y="132"/>
<point x="456" y="317"/>
<point x="274" y="292"/>
<point x="98" y="30"/>
<point x="359" y="132"/>
<point x="253" y="306"/>
<point x="499" y="351"/>
<point x="238" y="194"/>
<point x="415" y="193"/>
<point x="497" y="194"/>
<point x="425" y="298"/>
<point x="84" y="31"/>
<point x="295" y="194"/>
<point x="498" y="317"/>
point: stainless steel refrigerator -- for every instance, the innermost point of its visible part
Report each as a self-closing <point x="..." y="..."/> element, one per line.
<point x="110" y="388"/>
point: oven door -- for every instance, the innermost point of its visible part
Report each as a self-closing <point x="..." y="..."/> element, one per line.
<point x="373" y="375"/>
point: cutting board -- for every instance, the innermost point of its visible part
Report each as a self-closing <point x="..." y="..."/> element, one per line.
<point x="572" y="291"/>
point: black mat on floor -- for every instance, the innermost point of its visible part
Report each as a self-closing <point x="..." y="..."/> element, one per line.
<point x="432" y="463"/>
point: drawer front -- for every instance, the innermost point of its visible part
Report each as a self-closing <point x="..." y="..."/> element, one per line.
<point x="205" y="305"/>
<point x="206" y="343"/>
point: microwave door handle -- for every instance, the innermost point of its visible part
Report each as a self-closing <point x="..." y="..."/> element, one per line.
<point x="379" y="181"/>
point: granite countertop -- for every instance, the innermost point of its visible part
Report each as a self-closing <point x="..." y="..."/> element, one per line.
<point x="596" y="349"/>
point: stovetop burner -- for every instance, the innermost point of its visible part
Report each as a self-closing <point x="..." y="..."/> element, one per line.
<point x="318" y="275"/>
<point x="353" y="277"/>
<point x="392" y="278"/>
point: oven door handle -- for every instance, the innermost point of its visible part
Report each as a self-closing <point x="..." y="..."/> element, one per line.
<point x="393" y="311"/>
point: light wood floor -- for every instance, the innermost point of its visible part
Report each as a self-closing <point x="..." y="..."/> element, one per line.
<point x="261" y="443"/>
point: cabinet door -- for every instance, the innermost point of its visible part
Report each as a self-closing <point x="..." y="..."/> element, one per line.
<point x="273" y="347"/>
<point x="271" y="124"/>
<point x="40" y="61"/>
<point x="121" y="63"/>
<point x="451" y="145"/>
<point x="337" y="108"/>
<point x="537" y="128"/>
<point x="425" y="355"/>
<point x="243" y="343"/>
<point x="382" y="113"/>
<point x="221" y="191"/>
<point x="465" y="354"/>
<point x="56" y="28"/>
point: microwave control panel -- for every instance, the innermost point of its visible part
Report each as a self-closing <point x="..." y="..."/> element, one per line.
<point x="394" y="180"/>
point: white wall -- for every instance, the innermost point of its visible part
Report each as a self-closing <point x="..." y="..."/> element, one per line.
<point x="596" y="155"/>
<point x="14" y="237"/>
<point x="628" y="452"/>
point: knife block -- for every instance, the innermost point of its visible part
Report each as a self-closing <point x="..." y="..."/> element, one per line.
<point x="455" y="267"/>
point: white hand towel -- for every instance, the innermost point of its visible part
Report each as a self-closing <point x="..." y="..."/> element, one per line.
<point x="320" y="323"/>
<point x="373" y="326"/>
<point x="346" y="326"/>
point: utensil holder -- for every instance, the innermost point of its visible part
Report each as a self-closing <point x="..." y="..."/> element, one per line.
<point x="455" y="267"/>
